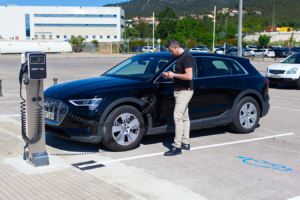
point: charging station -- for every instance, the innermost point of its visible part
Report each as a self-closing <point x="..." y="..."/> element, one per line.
<point x="33" y="71"/>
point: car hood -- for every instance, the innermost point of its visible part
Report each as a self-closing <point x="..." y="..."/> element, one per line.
<point x="71" y="88"/>
<point x="283" y="66"/>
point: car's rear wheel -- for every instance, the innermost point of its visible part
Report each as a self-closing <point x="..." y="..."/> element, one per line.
<point x="128" y="129"/>
<point x="273" y="85"/>
<point x="246" y="116"/>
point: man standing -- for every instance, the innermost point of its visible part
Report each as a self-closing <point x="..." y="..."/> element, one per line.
<point x="184" y="89"/>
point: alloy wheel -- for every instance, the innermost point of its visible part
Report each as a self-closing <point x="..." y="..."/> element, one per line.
<point x="248" y="115"/>
<point x="126" y="130"/>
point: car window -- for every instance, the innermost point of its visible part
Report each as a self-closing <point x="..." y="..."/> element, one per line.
<point x="162" y="79"/>
<point x="138" y="67"/>
<point x="161" y="64"/>
<point x="293" y="59"/>
<point x="172" y="68"/>
<point x="215" y="67"/>
<point x="236" y="69"/>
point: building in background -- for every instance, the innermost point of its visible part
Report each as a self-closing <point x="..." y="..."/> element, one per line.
<point x="104" y="24"/>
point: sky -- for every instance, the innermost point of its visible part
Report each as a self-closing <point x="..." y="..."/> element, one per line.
<point x="87" y="3"/>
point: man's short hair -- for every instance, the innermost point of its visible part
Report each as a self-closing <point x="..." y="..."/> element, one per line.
<point x="173" y="43"/>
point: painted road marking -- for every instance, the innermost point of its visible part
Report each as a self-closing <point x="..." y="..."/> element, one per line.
<point x="195" y="148"/>
<point x="263" y="163"/>
<point x="284" y="98"/>
<point x="285" y="108"/>
<point x="11" y="102"/>
<point x="295" y="198"/>
<point x="17" y="115"/>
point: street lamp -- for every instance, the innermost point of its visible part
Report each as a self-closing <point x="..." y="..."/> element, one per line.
<point x="273" y="19"/>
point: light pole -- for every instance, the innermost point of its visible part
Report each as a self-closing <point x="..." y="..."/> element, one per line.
<point x="273" y="19"/>
<point x="214" y="28"/>
<point x="240" y="28"/>
<point x="153" y="30"/>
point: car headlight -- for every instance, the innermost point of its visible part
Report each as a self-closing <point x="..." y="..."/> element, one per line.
<point x="91" y="103"/>
<point x="292" y="71"/>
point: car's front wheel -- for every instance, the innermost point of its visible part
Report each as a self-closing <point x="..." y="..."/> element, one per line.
<point x="246" y="116"/>
<point x="123" y="129"/>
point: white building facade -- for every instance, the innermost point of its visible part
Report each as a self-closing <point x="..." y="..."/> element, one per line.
<point x="105" y="24"/>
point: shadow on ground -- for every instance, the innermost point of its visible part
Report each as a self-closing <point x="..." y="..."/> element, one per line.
<point x="166" y="140"/>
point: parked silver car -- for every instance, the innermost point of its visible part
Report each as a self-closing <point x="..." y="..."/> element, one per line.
<point x="267" y="53"/>
<point x="246" y="52"/>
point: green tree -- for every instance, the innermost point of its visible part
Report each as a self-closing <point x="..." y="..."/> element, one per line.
<point x="291" y="40"/>
<point x="253" y="23"/>
<point x="207" y="39"/>
<point x="180" y="37"/>
<point x="188" y="27"/>
<point x="232" y="30"/>
<point x="144" y="29"/>
<point x="264" y="40"/>
<point x="95" y="42"/>
<point x="76" y="41"/>
<point x="167" y="23"/>
<point x="131" y="33"/>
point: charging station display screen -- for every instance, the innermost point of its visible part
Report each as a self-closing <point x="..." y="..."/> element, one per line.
<point x="37" y="60"/>
<point x="37" y="66"/>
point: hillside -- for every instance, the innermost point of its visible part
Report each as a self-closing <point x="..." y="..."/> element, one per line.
<point x="146" y="7"/>
<point x="284" y="10"/>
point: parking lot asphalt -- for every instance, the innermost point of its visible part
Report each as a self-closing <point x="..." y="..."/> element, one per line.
<point x="221" y="165"/>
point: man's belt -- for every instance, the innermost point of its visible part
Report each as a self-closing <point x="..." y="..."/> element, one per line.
<point x="183" y="89"/>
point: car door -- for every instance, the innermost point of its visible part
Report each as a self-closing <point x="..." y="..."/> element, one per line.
<point x="165" y="103"/>
<point x="222" y="83"/>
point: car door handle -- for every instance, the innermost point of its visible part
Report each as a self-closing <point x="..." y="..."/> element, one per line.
<point x="237" y="84"/>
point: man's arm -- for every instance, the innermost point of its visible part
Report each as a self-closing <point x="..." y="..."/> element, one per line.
<point x="188" y="75"/>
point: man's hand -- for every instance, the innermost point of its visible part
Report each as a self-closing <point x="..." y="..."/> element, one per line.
<point x="166" y="75"/>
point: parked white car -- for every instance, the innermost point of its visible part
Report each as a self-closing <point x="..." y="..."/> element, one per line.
<point x="285" y="72"/>
<point x="252" y="52"/>
<point x="195" y="50"/>
<point x="267" y="53"/>
<point x="251" y="47"/>
<point x="148" y="49"/>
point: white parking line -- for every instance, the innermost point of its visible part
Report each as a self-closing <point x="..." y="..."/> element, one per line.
<point x="295" y="198"/>
<point x="285" y="108"/>
<point x="195" y="148"/>
<point x="17" y="115"/>
<point x="11" y="102"/>
<point x="284" y="98"/>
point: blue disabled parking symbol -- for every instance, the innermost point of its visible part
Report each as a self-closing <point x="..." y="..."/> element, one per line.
<point x="264" y="164"/>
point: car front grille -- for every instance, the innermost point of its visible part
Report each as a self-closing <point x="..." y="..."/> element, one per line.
<point x="277" y="71"/>
<point x="58" y="108"/>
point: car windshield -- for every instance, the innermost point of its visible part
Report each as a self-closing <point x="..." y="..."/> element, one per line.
<point x="138" y="68"/>
<point x="293" y="59"/>
<point x="163" y="47"/>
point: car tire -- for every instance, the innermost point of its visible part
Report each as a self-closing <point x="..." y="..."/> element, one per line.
<point x="273" y="85"/>
<point x="125" y="136"/>
<point x="246" y="116"/>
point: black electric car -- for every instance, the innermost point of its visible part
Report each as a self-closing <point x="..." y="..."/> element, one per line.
<point x="132" y="100"/>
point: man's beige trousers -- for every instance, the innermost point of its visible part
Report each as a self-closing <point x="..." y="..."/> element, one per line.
<point x="181" y="117"/>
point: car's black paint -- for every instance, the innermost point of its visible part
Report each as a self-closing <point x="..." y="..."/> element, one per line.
<point x="212" y="104"/>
